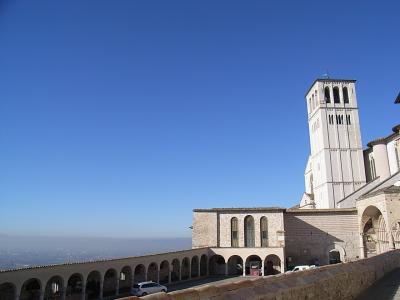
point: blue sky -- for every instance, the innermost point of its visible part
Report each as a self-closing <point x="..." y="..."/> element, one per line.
<point x="117" y="118"/>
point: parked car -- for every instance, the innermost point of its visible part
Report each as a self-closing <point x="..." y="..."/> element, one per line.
<point x="302" y="268"/>
<point x="147" y="288"/>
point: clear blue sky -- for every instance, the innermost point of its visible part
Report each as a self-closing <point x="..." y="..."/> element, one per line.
<point x="117" y="118"/>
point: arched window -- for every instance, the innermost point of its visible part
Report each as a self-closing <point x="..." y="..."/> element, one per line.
<point x="249" y="232"/>
<point x="397" y="151"/>
<point x="264" y="232"/>
<point x="313" y="102"/>
<point x="372" y="166"/>
<point x="234" y="232"/>
<point x="327" y="95"/>
<point x="336" y="97"/>
<point x="345" y="95"/>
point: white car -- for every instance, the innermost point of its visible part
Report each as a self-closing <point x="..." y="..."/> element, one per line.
<point x="147" y="288"/>
<point x="302" y="268"/>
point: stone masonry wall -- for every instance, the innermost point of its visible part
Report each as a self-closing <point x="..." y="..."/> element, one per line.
<point x="311" y="234"/>
<point x="274" y="221"/>
<point x="204" y="233"/>
<point x="341" y="281"/>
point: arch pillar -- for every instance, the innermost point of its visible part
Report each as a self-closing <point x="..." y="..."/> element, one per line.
<point x="64" y="293"/>
<point x="169" y="276"/>
<point x="362" y="250"/>
<point x="391" y="241"/>
<point x="262" y="266"/>
<point x="198" y="267"/>
<point x="41" y="297"/>
<point x="226" y="268"/>
<point x="117" y="286"/>
<point x="101" y="287"/>
<point x="132" y="278"/>
<point x="16" y="295"/>
<point x="83" y="296"/>
<point x="158" y="275"/>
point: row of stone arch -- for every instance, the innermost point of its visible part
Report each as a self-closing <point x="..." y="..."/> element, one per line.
<point x="96" y="286"/>
<point x="234" y="265"/>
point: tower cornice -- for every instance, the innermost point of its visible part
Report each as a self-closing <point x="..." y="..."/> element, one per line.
<point x="328" y="80"/>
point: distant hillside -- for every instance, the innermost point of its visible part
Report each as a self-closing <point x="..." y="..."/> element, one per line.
<point x="16" y="252"/>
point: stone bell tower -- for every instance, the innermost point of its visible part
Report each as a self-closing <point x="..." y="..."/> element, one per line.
<point x="335" y="166"/>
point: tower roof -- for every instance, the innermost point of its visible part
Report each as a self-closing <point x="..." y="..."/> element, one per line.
<point x="330" y="80"/>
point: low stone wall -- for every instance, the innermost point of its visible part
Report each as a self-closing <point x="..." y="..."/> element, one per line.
<point x="341" y="281"/>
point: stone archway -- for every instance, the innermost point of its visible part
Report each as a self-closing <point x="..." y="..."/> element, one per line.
<point x="376" y="237"/>
<point x="185" y="269"/>
<point x="93" y="285"/>
<point x="176" y="270"/>
<point x="216" y="265"/>
<point x="7" y="291"/>
<point x="31" y="290"/>
<point x="152" y="272"/>
<point x="74" y="287"/>
<point x="54" y="288"/>
<point x="194" y="267"/>
<point x="335" y="254"/>
<point x="253" y="265"/>
<point x="125" y="280"/>
<point x="235" y="265"/>
<point x="140" y="274"/>
<point x="164" y="272"/>
<point x="272" y="265"/>
<point x="110" y="283"/>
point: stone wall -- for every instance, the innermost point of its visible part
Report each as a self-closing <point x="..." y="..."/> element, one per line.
<point x="311" y="234"/>
<point x="340" y="281"/>
<point x="205" y="226"/>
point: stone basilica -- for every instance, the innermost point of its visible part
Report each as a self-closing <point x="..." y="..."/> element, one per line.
<point x="350" y="208"/>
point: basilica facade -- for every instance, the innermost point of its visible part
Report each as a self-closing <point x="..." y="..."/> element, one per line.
<point x="350" y="208"/>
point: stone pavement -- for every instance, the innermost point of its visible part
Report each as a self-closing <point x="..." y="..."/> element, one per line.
<point x="386" y="288"/>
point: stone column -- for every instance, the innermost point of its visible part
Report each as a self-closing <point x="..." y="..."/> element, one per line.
<point x="64" y="293"/>
<point x="117" y="288"/>
<point x="262" y="267"/>
<point x="158" y="276"/>
<point x="169" y="276"/>
<point x="198" y="270"/>
<point x="41" y="297"/>
<point x="101" y="288"/>
<point x="83" y="296"/>
<point x="362" y="250"/>
<point x="226" y="269"/>
<point x="16" y="296"/>
<point x="244" y="269"/>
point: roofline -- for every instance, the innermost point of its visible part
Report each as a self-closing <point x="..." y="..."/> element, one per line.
<point x="238" y="209"/>
<point x="322" y="210"/>
<point x="384" y="140"/>
<point x="328" y="80"/>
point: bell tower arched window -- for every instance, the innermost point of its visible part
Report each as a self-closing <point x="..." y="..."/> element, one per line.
<point x="234" y="232"/>
<point x="327" y="94"/>
<point x="336" y="96"/>
<point x="249" y="240"/>
<point x="345" y="95"/>
<point x="264" y="232"/>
